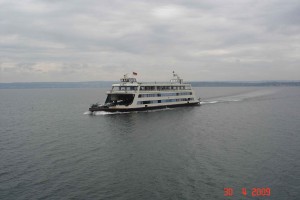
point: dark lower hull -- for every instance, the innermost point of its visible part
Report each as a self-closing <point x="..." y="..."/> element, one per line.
<point x="107" y="109"/>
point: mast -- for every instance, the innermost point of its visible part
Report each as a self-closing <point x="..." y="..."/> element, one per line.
<point x="176" y="78"/>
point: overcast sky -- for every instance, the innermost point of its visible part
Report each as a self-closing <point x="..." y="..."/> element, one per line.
<point x="202" y="40"/>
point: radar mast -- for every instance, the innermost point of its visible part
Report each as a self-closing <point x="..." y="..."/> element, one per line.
<point x="176" y="78"/>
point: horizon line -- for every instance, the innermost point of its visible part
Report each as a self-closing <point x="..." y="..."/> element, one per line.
<point x="232" y="81"/>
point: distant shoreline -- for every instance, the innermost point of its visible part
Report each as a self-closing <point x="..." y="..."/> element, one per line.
<point x="105" y="84"/>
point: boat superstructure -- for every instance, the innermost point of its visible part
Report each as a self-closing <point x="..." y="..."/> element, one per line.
<point x="130" y="95"/>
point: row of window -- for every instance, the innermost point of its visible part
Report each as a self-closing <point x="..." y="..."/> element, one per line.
<point x="152" y="88"/>
<point x="124" y="88"/>
<point x="149" y="88"/>
<point x="165" y="94"/>
<point x="165" y="101"/>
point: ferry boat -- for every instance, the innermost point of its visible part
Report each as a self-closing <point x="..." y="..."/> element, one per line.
<point x="130" y="95"/>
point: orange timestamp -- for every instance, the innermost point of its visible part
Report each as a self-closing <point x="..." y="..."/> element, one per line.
<point x="254" y="192"/>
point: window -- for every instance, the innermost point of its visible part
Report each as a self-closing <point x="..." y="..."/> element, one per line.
<point x="132" y="88"/>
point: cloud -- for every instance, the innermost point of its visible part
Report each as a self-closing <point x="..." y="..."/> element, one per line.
<point x="43" y="40"/>
<point x="168" y="12"/>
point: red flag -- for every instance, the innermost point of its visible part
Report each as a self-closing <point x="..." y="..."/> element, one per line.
<point x="134" y="73"/>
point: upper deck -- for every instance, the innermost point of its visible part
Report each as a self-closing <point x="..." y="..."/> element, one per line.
<point x="130" y="85"/>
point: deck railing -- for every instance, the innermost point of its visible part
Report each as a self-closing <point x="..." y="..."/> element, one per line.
<point x="154" y="90"/>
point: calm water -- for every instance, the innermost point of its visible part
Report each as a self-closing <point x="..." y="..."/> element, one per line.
<point x="239" y="137"/>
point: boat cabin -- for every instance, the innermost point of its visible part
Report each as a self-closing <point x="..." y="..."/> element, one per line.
<point x="128" y="80"/>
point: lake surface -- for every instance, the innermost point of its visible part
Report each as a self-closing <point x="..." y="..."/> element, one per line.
<point x="240" y="137"/>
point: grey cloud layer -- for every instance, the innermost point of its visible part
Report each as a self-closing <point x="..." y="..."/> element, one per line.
<point x="101" y="40"/>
